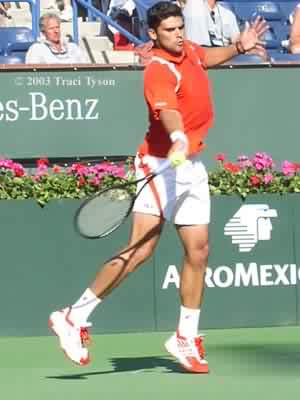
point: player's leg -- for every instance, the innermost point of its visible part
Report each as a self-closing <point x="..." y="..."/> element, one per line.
<point x="185" y="344"/>
<point x="192" y="215"/>
<point x="195" y="243"/>
<point x="146" y="230"/>
<point x="70" y="323"/>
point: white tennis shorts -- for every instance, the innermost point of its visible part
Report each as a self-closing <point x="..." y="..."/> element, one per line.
<point x="180" y="195"/>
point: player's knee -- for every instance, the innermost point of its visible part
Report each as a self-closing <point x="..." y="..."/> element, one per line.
<point x="198" y="256"/>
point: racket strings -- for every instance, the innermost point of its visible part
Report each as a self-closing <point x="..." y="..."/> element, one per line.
<point x="103" y="213"/>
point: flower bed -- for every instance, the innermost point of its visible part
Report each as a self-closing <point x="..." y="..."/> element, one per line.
<point x="248" y="175"/>
<point x="252" y="175"/>
<point x="56" y="182"/>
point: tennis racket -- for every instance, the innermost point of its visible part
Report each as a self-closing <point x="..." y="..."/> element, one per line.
<point x="104" y="212"/>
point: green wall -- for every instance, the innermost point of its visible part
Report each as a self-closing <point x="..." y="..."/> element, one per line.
<point x="101" y="112"/>
<point x="45" y="265"/>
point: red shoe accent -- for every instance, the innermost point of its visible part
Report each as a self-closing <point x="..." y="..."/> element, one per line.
<point x="199" y="344"/>
<point x="85" y="337"/>
<point x="85" y="361"/>
<point x="196" y="366"/>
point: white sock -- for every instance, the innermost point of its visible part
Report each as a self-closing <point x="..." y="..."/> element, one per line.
<point x="83" y="307"/>
<point x="188" y="322"/>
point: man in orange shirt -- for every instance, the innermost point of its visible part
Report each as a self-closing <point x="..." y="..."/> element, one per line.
<point x="180" y="112"/>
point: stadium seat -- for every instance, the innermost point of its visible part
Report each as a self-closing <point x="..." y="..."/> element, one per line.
<point x="287" y="8"/>
<point x="227" y="4"/>
<point x="244" y="59"/>
<point x="284" y="58"/>
<point x="269" y="10"/>
<point x="14" y="59"/>
<point x="14" y="39"/>
<point x="272" y="40"/>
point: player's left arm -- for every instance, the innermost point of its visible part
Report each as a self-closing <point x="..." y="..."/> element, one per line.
<point x="250" y="38"/>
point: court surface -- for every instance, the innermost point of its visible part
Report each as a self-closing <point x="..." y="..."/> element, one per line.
<point x="245" y="364"/>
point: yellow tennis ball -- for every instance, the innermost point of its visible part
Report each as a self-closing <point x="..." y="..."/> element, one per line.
<point x="177" y="158"/>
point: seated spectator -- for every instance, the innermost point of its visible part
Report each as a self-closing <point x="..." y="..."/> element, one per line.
<point x="66" y="10"/>
<point x="212" y="25"/>
<point x="121" y="11"/>
<point x="294" y="43"/>
<point x="4" y="17"/>
<point x="51" y="48"/>
<point x="209" y="23"/>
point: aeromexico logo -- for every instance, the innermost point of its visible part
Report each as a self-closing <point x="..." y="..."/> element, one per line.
<point x="250" y="224"/>
<point x="240" y="275"/>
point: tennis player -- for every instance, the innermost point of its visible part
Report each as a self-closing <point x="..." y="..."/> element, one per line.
<point x="177" y="93"/>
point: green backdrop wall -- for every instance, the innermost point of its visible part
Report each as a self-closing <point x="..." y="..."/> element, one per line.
<point x="45" y="265"/>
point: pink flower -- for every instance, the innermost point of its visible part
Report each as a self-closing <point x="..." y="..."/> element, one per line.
<point x="288" y="168"/>
<point x="244" y="162"/>
<point x="220" y="157"/>
<point x="268" y="179"/>
<point x="96" y="181"/>
<point x="81" y="181"/>
<point x="15" y="167"/>
<point x="78" y="169"/>
<point x="42" y="162"/>
<point x="262" y="161"/>
<point x="56" y="169"/>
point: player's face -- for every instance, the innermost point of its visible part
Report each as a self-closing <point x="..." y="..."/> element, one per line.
<point x="52" y="30"/>
<point x="169" y="35"/>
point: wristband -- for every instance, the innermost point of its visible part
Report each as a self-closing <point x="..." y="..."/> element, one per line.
<point x="179" y="135"/>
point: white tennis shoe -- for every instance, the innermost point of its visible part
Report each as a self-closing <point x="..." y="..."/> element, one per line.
<point x="189" y="352"/>
<point x="73" y="339"/>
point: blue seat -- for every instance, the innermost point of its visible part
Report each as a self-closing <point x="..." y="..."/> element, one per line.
<point x="269" y="10"/>
<point x="281" y="32"/>
<point x="287" y="8"/>
<point x="13" y="59"/>
<point x="272" y="38"/>
<point x="13" y="39"/>
<point x="245" y="59"/>
<point x="227" y="4"/>
<point x="278" y="58"/>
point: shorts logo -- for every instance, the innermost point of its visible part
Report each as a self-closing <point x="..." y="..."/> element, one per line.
<point x="250" y="224"/>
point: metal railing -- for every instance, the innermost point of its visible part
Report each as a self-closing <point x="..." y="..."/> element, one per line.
<point x="35" y="13"/>
<point x="94" y="12"/>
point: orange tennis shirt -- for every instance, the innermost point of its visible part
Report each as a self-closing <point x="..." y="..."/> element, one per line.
<point x="177" y="83"/>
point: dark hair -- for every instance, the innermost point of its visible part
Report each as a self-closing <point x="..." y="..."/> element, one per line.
<point x="161" y="11"/>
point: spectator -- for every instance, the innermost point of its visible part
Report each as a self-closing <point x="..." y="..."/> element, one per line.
<point x="66" y="10"/>
<point x="51" y="48"/>
<point x="209" y="23"/>
<point x="121" y="11"/>
<point x="294" y="43"/>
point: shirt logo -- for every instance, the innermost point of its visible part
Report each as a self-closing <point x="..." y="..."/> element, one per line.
<point x="250" y="224"/>
<point x="161" y="104"/>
